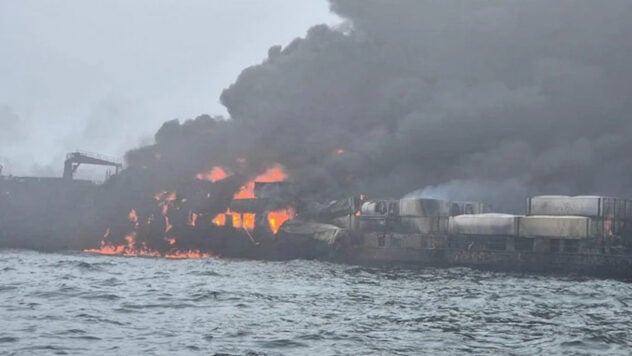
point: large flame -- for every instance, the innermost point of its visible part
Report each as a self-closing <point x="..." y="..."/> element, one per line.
<point x="277" y="218"/>
<point x="132" y="248"/>
<point x="247" y="191"/>
<point x="271" y="175"/>
<point x="239" y="221"/>
<point x="167" y="200"/>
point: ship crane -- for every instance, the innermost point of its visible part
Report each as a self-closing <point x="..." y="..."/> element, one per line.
<point x="75" y="159"/>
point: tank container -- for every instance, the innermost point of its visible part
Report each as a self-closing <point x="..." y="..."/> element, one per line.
<point x="484" y="224"/>
<point x="567" y="227"/>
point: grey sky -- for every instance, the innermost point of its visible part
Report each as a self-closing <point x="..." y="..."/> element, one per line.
<point x="103" y="76"/>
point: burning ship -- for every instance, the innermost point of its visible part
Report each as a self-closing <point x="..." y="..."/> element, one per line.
<point x="381" y="105"/>
<point x="216" y="214"/>
<point x="268" y="219"/>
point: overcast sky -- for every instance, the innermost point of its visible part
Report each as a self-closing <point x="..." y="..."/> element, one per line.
<point x="103" y="76"/>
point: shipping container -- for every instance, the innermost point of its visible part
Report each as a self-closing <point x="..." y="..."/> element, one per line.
<point x="564" y="227"/>
<point x="484" y="224"/>
<point x="425" y="225"/>
<point x="585" y="205"/>
<point x="427" y="208"/>
<point x="472" y="207"/>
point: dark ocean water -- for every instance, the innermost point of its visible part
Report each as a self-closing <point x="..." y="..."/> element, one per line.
<point x="80" y="304"/>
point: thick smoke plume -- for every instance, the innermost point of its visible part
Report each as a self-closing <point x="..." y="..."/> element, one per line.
<point x="490" y="100"/>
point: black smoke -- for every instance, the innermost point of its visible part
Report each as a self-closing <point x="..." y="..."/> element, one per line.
<point x="490" y="100"/>
<point x="487" y="100"/>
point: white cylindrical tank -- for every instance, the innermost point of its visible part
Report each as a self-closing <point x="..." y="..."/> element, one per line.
<point x="484" y="224"/>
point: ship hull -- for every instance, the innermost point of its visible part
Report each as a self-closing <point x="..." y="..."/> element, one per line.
<point x="376" y="249"/>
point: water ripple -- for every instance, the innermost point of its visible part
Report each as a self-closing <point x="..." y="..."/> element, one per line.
<point x="84" y="304"/>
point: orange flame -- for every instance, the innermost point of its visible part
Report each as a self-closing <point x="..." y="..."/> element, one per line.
<point x="105" y="249"/>
<point x="245" y="220"/>
<point x="132" y="248"/>
<point x="165" y="199"/>
<point x="132" y="216"/>
<point x="271" y="175"/>
<point x="248" y="221"/>
<point x="220" y="220"/>
<point x="277" y="218"/>
<point x="215" y="174"/>
<point x="236" y="220"/>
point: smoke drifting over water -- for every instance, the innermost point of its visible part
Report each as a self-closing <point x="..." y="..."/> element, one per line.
<point x="488" y="100"/>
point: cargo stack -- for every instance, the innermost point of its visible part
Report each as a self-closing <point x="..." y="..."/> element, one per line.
<point x="426" y="216"/>
<point x="553" y="216"/>
<point x="581" y="205"/>
<point x="576" y="217"/>
<point x="560" y="227"/>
